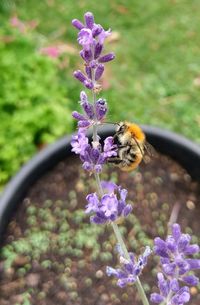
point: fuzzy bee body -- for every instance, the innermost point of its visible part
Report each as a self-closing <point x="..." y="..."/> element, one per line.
<point x="130" y="141"/>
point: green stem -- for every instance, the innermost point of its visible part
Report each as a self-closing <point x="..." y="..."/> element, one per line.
<point x="126" y="254"/>
<point x="123" y="246"/>
<point x="114" y="225"/>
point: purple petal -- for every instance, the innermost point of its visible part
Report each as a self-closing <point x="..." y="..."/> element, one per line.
<point x="176" y="231"/>
<point x="171" y="244"/>
<point x="183" y="242"/>
<point x="78" y="116"/>
<point x="103" y="35"/>
<point x="163" y="284"/>
<point x="111" y="271"/>
<point x="80" y="76"/>
<point x="156" y="298"/>
<point x="79" y="142"/>
<point x="86" y="55"/>
<point x="98" y="168"/>
<point x="160" y="247"/>
<point x="93" y="203"/>
<point x="191" y="280"/>
<point x="101" y="109"/>
<point x="98" y="49"/>
<point x="181" y="297"/>
<point x="123" y="194"/>
<point x="89" y="20"/>
<point x="77" y="24"/>
<point x="109" y="186"/>
<point x="88" y="84"/>
<point x="83" y="97"/>
<point x="89" y="110"/>
<point x="88" y="71"/>
<point x="183" y="266"/>
<point x="98" y="220"/>
<point x="191" y="249"/>
<point x="127" y="210"/>
<point x="107" y="57"/>
<point x="85" y="38"/>
<point x="87" y="166"/>
<point x="99" y="71"/>
<point x="83" y="124"/>
<point x="169" y="269"/>
<point x="193" y="263"/>
<point x="97" y="29"/>
<point x="174" y="285"/>
<point x="109" y="204"/>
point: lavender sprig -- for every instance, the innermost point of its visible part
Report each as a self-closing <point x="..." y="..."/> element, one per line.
<point x="91" y="37"/>
<point x="176" y="267"/>
<point x="106" y="207"/>
<point x="130" y="269"/>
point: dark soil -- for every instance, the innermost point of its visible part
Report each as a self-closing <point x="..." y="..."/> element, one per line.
<point x="53" y="255"/>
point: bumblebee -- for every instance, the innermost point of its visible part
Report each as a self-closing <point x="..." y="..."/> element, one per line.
<point x="132" y="146"/>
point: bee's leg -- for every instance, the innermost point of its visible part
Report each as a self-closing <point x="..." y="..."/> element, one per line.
<point x="115" y="160"/>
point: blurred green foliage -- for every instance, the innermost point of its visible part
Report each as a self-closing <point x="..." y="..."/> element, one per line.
<point x="33" y="105"/>
<point x="155" y="78"/>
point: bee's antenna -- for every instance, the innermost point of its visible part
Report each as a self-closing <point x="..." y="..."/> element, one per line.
<point x="107" y="123"/>
<point x="138" y="145"/>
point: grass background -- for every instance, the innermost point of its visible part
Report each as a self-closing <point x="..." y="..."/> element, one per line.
<point x="155" y="78"/>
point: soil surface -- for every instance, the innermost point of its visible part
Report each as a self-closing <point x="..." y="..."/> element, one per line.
<point x="52" y="255"/>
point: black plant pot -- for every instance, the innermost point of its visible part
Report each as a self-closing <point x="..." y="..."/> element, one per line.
<point x="177" y="147"/>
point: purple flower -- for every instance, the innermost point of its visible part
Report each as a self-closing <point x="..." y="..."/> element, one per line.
<point x="92" y="159"/>
<point x="170" y="287"/>
<point x="85" y="38"/>
<point x="109" y="186"/>
<point x="79" y="142"/>
<point x="92" y="114"/>
<point x="173" y="252"/>
<point x="109" y="207"/>
<point x="109" y="149"/>
<point x="91" y="37"/>
<point x="130" y="268"/>
<point x="175" y="265"/>
<point x="101" y="109"/>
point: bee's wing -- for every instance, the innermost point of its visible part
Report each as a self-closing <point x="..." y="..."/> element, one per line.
<point x="149" y="152"/>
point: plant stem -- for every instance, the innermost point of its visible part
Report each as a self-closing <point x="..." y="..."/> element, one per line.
<point x="114" y="225"/>
<point x="123" y="246"/>
<point x="126" y="254"/>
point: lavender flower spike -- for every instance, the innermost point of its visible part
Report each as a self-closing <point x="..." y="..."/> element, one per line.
<point x="79" y="142"/>
<point x="110" y="207"/>
<point x="91" y="37"/>
<point x="130" y="269"/>
<point x="176" y="266"/>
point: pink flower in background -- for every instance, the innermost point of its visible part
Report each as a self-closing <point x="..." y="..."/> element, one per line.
<point x="51" y="51"/>
<point x="23" y="26"/>
<point x="17" y="23"/>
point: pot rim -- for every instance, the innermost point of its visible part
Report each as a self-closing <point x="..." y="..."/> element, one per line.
<point x="182" y="150"/>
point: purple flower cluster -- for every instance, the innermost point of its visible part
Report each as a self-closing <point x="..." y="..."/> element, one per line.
<point x="92" y="157"/>
<point x="93" y="114"/>
<point x="110" y="207"/>
<point x="91" y="37"/>
<point x="130" y="269"/>
<point x="175" y="266"/>
<point x="170" y="292"/>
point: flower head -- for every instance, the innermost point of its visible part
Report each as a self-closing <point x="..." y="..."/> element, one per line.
<point x="91" y="37"/>
<point x="175" y="265"/>
<point x="93" y="114"/>
<point x="179" y="296"/>
<point x="173" y="252"/>
<point x="130" y="268"/>
<point x="79" y="142"/>
<point x="109" y="207"/>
